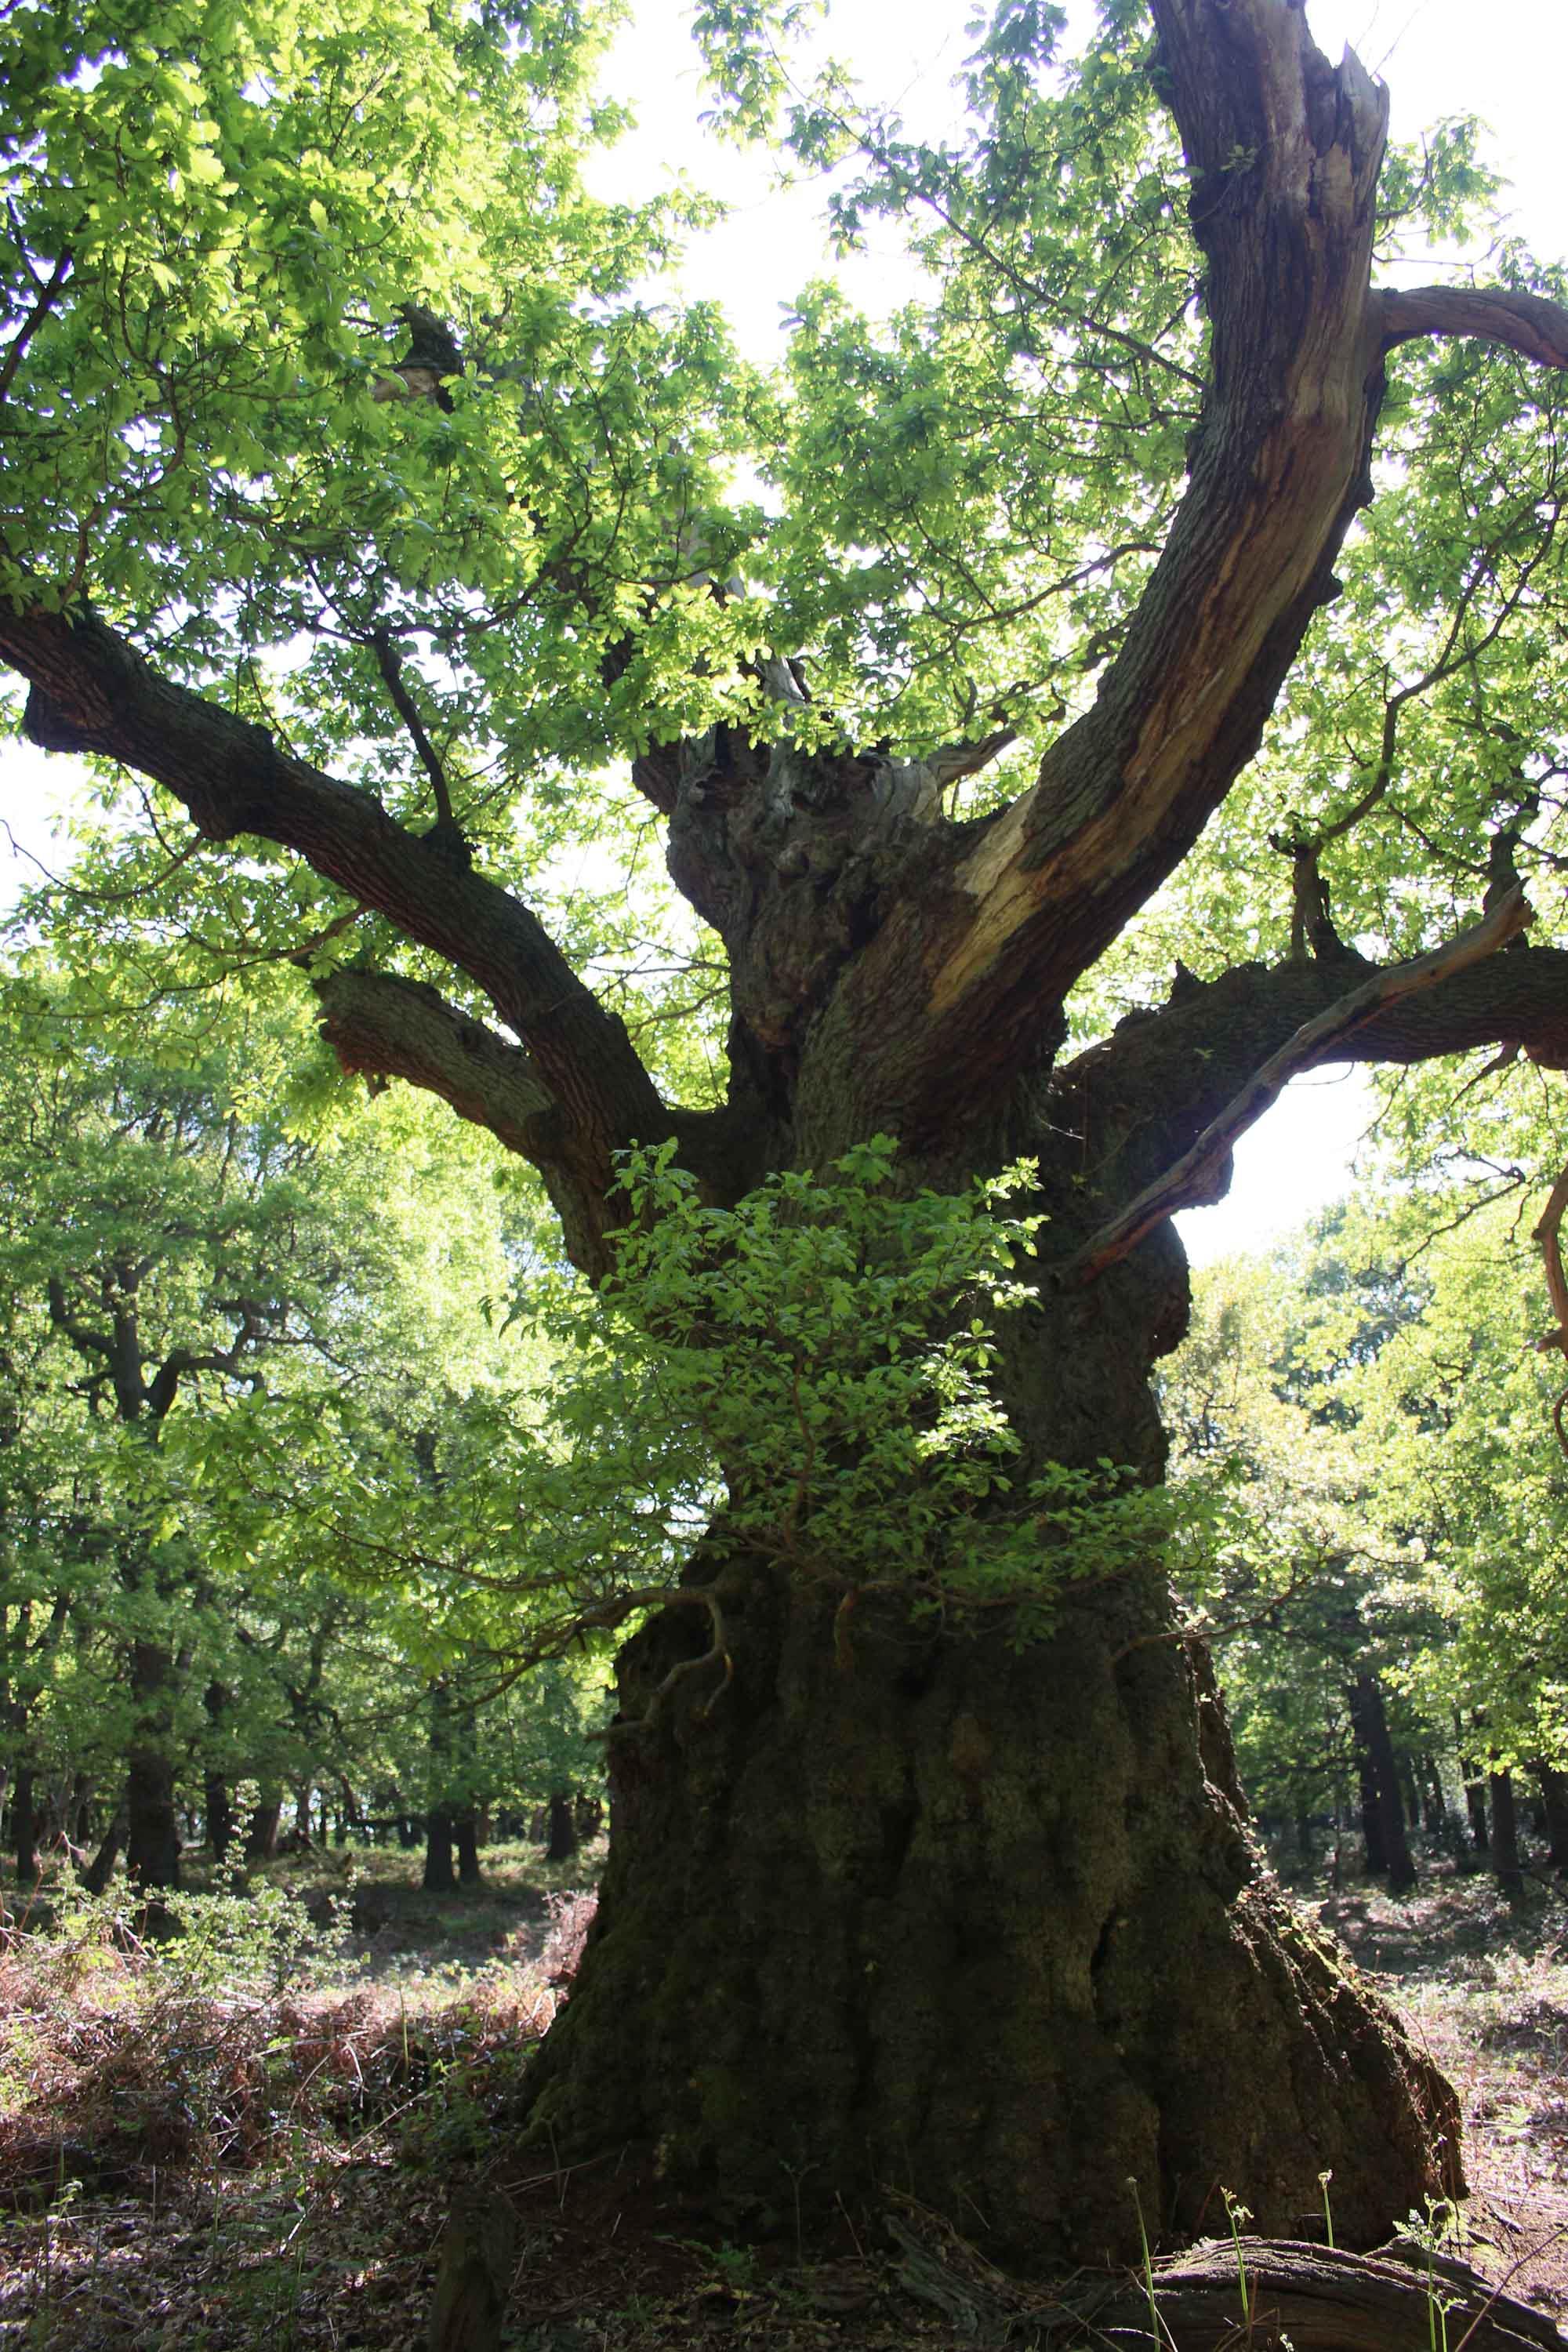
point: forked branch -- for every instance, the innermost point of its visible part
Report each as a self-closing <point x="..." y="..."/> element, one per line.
<point x="1199" y="1176"/>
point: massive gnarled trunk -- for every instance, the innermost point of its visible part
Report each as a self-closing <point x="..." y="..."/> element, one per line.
<point x="938" y="1912"/>
<point x="978" y="1925"/>
<point x="903" y="1907"/>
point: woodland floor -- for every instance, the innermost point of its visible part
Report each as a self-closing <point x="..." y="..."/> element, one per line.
<point x="210" y="2164"/>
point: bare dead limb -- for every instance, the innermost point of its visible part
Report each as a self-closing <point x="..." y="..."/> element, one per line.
<point x="1221" y="2295"/>
<point x="956" y="761"/>
<point x="1199" y="1176"/>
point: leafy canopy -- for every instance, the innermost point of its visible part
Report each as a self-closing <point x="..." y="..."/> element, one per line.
<point x="229" y="226"/>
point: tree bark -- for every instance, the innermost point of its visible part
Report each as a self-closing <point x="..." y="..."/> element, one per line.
<point x="561" y="1841"/>
<point x="152" y="1829"/>
<point x="25" y="1827"/>
<point x="1554" y="1802"/>
<point x="1383" y="1796"/>
<point x="100" y="1869"/>
<point x="1434" y="1803"/>
<point x="1371" y="1837"/>
<point x="1476" y="1805"/>
<point x="219" y="1814"/>
<point x="905" y="1903"/>
<point x="261" y="1830"/>
<point x="933" y="1910"/>
<point x="466" y="1830"/>
<point x="1411" y="1794"/>
<point x="439" y="1877"/>
<point x="1507" y="1868"/>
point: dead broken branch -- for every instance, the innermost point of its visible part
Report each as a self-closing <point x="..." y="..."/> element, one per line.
<point x="1199" y="1177"/>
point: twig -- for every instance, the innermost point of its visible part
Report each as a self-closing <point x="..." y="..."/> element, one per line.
<point x="717" y="1653"/>
<point x="35" y="319"/>
<point x="390" y="665"/>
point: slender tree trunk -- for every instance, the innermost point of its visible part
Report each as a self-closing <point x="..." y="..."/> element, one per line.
<point x="465" y="1831"/>
<point x="219" y="1815"/>
<point x="1434" y="1804"/>
<point x="152" y="1829"/>
<point x="440" y="1822"/>
<point x="261" y="1830"/>
<point x="1476" y="1806"/>
<point x="1554" y="1802"/>
<point x="1507" y="1868"/>
<point x="439" y="1877"/>
<point x="1473" y="1779"/>
<point x="100" y="1869"/>
<point x="562" y="1843"/>
<point x="25" y="1827"/>
<point x="1372" y="1836"/>
<point x="1411" y="1794"/>
<point x="1382" y="1797"/>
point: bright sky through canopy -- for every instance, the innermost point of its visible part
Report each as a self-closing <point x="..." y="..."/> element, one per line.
<point x="1507" y="63"/>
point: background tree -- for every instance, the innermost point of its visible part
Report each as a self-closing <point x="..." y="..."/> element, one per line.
<point x="1035" y="657"/>
<point x="1296" y="1566"/>
<point x="182" y="1260"/>
<point x="1370" y="1407"/>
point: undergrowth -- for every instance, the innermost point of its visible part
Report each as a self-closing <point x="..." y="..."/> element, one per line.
<point x="250" y="2132"/>
<point x="233" y="2070"/>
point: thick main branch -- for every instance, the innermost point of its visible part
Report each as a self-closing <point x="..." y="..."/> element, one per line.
<point x="92" y="691"/>
<point x="1284" y="151"/>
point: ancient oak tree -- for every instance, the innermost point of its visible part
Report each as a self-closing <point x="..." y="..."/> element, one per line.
<point x="1171" y="572"/>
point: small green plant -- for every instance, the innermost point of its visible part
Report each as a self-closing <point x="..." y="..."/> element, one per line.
<point x="1155" y="2330"/>
<point x="732" y="2268"/>
<point x="1323" y="2180"/>
<point x="1238" y="2215"/>
<point x="1432" y="2233"/>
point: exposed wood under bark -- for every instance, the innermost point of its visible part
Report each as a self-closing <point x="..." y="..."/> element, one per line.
<point x="1015" y="1894"/>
